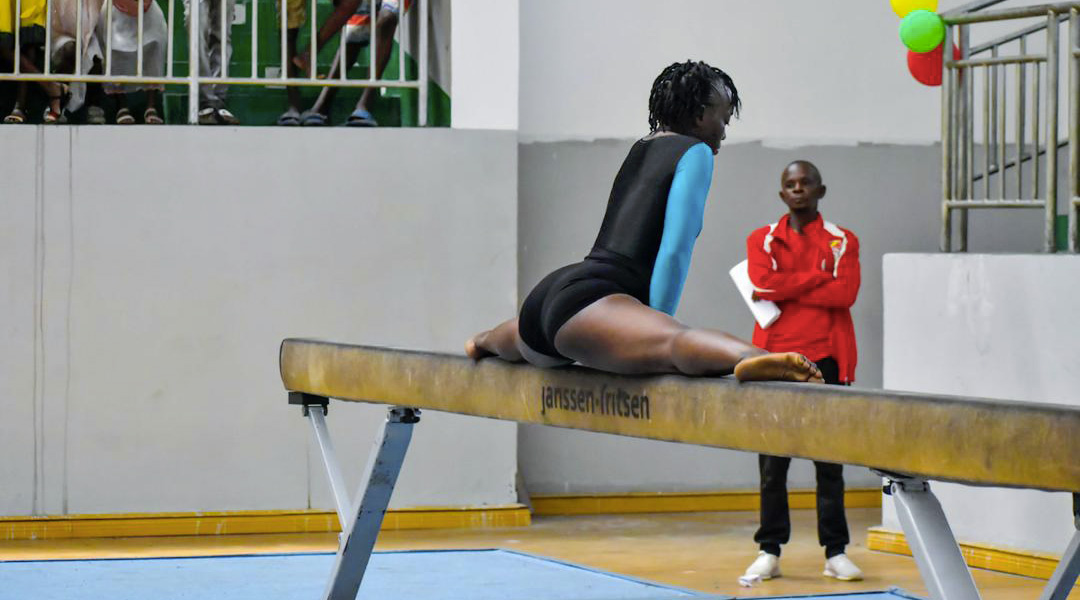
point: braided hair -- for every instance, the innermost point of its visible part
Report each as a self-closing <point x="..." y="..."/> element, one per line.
<point x="681" y="92"/>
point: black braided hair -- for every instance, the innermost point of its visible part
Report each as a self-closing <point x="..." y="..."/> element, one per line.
<point x="681" y="92"/>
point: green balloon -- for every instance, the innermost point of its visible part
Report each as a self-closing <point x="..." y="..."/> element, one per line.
<point x="922" y="31"/>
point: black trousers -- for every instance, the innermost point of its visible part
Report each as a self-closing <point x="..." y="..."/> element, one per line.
<point x="775" y="526"/>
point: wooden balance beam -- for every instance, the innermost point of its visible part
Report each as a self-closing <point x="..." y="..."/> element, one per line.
<point x="908" y="437"/>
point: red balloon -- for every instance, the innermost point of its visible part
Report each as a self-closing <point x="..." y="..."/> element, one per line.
<point x="926" y="67"/>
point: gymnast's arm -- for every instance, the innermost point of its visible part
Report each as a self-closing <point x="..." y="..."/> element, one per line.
<point x="683" y="219"/>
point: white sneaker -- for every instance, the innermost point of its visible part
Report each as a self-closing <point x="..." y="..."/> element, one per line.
<point x="766" y="566"/>
<point x="841" y="567"/>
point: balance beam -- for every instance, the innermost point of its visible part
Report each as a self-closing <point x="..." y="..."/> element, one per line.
<point x="908" y="438"/>
<point x="966" y="440"/>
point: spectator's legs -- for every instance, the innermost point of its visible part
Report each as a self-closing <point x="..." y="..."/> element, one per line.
<point x="153" y="101"/>
<point x="219" y="49"/>
<point x="95" y="115"/>
<point x="123" y="111"/>
<point x="325" y="101"/>
<point x="775" y="528"/>
<point x="213" y="53"/>
<point x="26" y="65"/>
<point x="385" y="25"/>
<point x="27" y="57"/>
<point x="293" y="92"/>
<point x="333" y="24"/>
<point x="832" y="522"/>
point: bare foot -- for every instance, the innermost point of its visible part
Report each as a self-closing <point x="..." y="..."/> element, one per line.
<point x="784" y="366"/>
<point x="473" y="350"/>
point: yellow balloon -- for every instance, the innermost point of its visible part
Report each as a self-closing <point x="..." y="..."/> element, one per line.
<point x="903" y="7"/>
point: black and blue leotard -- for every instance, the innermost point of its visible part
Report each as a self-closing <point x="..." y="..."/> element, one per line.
<point x="653" y="217"/>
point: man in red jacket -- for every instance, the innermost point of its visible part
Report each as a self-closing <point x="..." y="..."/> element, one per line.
<point x="810" y="268"/>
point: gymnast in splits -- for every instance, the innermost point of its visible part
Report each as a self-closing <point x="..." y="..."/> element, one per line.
<point x="613" y="310"/>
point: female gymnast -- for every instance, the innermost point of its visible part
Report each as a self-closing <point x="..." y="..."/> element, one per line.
<point x="613" y="310"/>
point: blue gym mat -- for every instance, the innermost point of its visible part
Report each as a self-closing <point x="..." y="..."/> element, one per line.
<point x="428" y="575"/>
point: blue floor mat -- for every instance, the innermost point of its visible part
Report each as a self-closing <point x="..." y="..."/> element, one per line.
<point x="433" y="575"/>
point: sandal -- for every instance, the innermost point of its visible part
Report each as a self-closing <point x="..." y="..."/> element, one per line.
<point x="51" y="117"/>
<point x="16" y="117"/>
<point x="151" y="117"/>
<point x="311" y="118"/>
<point x="124" y="117"/>
<point x="361" y="118"/>
<point x="289" y="118"/>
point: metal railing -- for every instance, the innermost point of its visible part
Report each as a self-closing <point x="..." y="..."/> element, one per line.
<point x="1033" y="158"/>
<point x="193" y="80"/>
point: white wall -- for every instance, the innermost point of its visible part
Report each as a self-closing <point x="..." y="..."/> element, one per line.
<point x="484" y="49"/>
<point x="995" y="326"/>
<point x="829" y="71"/>
<point x="171" y="263"/>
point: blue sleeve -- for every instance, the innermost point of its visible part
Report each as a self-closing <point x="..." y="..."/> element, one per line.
<point x="682" y="224"/>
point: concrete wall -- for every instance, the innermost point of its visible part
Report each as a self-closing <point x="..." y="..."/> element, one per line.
<point x="810" y="73"/>
<point x="484" y="45"/>
<point x="995" y="326"/>
<point x="150" y="274"/>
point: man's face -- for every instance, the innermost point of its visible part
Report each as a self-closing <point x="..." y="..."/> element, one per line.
<point x="712" y="126"/>
<point x="801" y="188"/>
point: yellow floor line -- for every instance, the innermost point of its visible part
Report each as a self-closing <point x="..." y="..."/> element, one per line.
<point x="255" y="521"/>
<point x="981" y="556"/>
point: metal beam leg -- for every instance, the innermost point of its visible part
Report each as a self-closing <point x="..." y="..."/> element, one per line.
<point x="333" y="470"/>
<point x="931" y="541"/>
<point x="360" y="521"/>
<point x="1064" y="577"/>
<point x="362" y="526"/>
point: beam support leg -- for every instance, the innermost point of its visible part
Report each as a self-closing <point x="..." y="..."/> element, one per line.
<point x="380" y="475"/>
<point x="1064" y="577"/>
<point x="361" y="519"/>
<point x="931" y="540"/>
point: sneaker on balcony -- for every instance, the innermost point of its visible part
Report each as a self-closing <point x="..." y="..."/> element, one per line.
<point x="841" y="567"/>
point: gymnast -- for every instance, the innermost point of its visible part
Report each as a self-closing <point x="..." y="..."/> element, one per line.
<point x="614" y="310"/>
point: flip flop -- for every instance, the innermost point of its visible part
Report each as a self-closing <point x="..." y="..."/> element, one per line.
<point x="289" y="118"/>
<point x="361" y="118"/>
<point x="124" y="117"/>
<point x="311" y="118"/>
<point x="151" y="117"/>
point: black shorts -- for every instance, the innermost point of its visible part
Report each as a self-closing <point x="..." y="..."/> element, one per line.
<point x="563" y="294"/>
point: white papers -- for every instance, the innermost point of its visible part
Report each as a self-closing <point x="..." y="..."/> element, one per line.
<point x="764" y="311"/>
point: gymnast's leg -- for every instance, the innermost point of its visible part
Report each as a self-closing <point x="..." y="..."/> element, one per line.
<point x="620" y="334"/>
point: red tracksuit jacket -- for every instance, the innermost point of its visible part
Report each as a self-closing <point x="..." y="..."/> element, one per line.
<point x="814" y="278"/>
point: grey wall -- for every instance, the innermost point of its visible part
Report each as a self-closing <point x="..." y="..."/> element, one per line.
<point x="889" y="195"/>
<point x="148" y="276"/>
<point x="1002" y="327"/>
